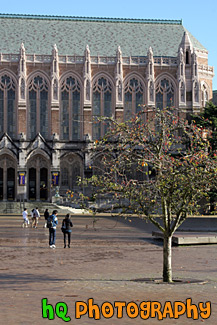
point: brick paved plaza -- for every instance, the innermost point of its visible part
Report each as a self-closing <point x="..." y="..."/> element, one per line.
<point x="101" y="264"/>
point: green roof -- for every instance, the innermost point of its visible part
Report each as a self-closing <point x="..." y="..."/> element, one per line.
<point x="103" y="35"/>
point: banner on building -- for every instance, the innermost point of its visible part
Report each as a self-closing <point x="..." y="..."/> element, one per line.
<point x="22" y="178"/>
<point x="55" y="178"/>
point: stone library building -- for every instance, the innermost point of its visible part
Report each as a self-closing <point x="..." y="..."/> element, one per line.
<point x="57" y="74"/>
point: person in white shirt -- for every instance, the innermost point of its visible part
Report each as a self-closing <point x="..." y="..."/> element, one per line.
<point x="25" y="219"/>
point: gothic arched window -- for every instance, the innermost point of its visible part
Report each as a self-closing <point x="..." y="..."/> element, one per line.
<point x="165" y="94"/>
<point x="70" y="170"/>
<point x="102" y="106"/>
<point x="38" y="107"/>
<point x="133" y="97"/>
<point x="70" y="109"/>
<point x="7" y="106"/>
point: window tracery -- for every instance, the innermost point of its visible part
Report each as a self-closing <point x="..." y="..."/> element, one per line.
<point x="70" y="109"/>
<point x="70" y="170"/>
<point x="7" y="105"/>
<point x="38" y="107"/>
<point x="165" y="94"/>
<point x="65" y="177"/>
<point x="102" y="106"/>
<point x="133" y="97"/>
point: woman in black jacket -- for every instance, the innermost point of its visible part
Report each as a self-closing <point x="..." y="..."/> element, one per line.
<point x="46" y="216"/>
<point x="67" y="229"/>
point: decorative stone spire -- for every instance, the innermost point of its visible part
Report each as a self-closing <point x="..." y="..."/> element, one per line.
<point x="87" y="76"/>
<point x="119" y="67"/>
<point x="150" y="66"/>
<point x="181" y="64"/>
<point x="181" y="78"/>
<point x="55" y="74"/>
<point x="22" y="63"/>
<point x="55" y="61"/>
<point x="186" y="42"/>
<point x="119" y="78"/>
<point x="195" y="81"/>
<point x="150" y="77"/>
<point x="194" y="65"/>
<point x="22" y="73"/>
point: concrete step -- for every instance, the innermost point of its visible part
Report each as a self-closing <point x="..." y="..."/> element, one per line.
<point x="186" y="238"/>
<point x="17" y="207"/>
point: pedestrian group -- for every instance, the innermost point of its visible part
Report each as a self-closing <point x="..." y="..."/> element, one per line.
<point x="51" y="223"/>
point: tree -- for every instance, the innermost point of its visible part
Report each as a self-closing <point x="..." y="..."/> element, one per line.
<point x="158" y="168"/>
<point x="207" y="120"/>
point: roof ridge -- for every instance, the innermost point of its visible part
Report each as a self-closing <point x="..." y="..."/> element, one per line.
<point x="99" y="19"/>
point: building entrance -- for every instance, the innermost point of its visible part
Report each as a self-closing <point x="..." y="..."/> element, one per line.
<point x="38" y="180"/>
<point x="10" y="183"/>
<point x="32" y="184"/>
<point x="43" y="184"/>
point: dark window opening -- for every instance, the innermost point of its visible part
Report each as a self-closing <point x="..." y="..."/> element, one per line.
<point x="187" y="57"/>
<point x="189" y="96"/>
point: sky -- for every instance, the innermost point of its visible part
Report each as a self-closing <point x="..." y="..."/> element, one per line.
<point x="199" y="17"/>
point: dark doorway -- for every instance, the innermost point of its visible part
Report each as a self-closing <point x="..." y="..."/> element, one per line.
<point x="10" y="183"/>
<point x="32" y="184"/>
<point x="1" y="183"/>
<point x="43" y="184"/>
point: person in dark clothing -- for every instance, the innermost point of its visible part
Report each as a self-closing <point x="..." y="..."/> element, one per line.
<point x="67" y="229"/>
<point x="52" y="229"/>
<point x="46" y="216"/>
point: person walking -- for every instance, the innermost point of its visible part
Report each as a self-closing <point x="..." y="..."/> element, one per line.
<point x="36" y="216"/>
<point x="67" y="229"/>
<point x="32" y="217"/>
<point x="25" y="219"/>
<point x="46" y="216"/>
<point x="52" y="222"/>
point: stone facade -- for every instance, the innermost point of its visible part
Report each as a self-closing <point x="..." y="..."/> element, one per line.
<point x="49" y="105"/>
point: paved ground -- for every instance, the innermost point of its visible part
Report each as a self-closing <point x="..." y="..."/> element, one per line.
<point x="104" y="259"/>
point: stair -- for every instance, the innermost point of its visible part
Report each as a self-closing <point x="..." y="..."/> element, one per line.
<point x="16" y="208"/>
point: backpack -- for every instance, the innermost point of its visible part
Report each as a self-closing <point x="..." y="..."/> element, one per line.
<point x="35" y="213"/>
<point x="49" y="222"/>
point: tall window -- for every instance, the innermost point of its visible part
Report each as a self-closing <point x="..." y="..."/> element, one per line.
<point x="70" y="109"/>
<point x="133" y="98"/>
<point x="38" y="107"/>
<point x="7" y="106"/>
<point x="102" y="106"/>
<point x="165" y="94"/>
<point x="65" y="176"/>
<point x="70" y="170"/>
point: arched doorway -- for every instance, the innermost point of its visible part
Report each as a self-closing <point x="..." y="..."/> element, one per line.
<point x="39" y="178"/>
<point x="10" y="184"/>
<point x="32" y="184"/>
<point x="1" y="184"/>
<point x="43" y="183"/>
<point x="8" y="179"/>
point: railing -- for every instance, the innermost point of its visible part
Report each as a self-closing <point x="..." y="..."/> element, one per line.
<point x="71" y="59"/>
<point x="206" y="69"/>
<point x="102" y="60"/>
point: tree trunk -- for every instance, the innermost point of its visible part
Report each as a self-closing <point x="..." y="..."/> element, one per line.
<point x="167" y="259"/>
